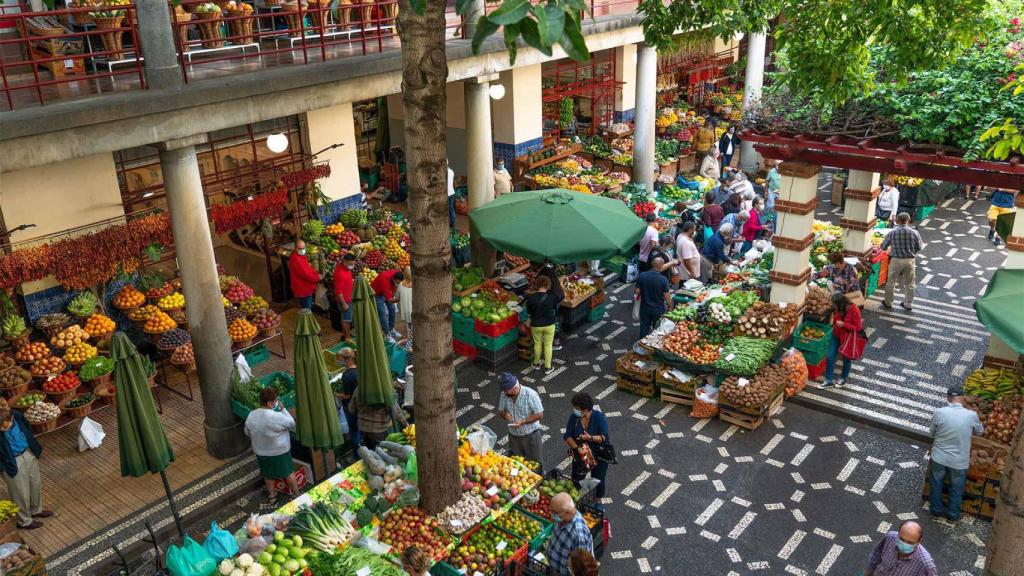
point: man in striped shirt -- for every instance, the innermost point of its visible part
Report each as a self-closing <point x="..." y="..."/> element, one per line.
<point x="902" y="244"/>
<point x="521" y="408"/>
<point x="900" y="553"/>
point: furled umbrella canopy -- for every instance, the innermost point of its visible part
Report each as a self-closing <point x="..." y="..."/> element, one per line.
<point x="374" y="373"/>
<point x="557" y="225"/>
<point x="316" y="417"/>
<point x="1000" y="308"/>
<point x="143" y="443"/>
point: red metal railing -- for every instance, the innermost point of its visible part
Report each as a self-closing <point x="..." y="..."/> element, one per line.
<point x="268" y="33"/>
<point x="59" y="54"/>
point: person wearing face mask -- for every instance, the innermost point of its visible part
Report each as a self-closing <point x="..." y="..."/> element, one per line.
<point x="502" y="179"/>
<point x="900" y="553"/>
<point x="521" y="408"/>
<point x="569" y="533"/>
<point x="344" y="282"/>
<point x="585" y="432"/>
<point x="303" y="278"/>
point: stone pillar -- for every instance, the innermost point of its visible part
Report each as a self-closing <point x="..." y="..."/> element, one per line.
<point x="643" y="133"/>
<point x="518" y="116"/>
<point x="480" y="159"/>
<point x="798" y="197"/>
<point x="625" y="73"/>
<point x="751" y="93"/>
<point x="859" y="215"/>
<point x="473" y="13"/>
<point x="157" y="39"/>
<point x="999" y="354"/>
<point x="186" y="204"/>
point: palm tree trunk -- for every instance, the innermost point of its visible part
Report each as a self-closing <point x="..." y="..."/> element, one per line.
<point x="424" y="75"/>
<point x="1005" y="553"/>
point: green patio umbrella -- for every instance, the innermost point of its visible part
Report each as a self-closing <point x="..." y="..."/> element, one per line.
<point x="374" y="372"/>
<point x="1000" y="308"/>
<point x="316" y="417"/>
<point x="141" y="439"/>
<point x="557" y="225"/>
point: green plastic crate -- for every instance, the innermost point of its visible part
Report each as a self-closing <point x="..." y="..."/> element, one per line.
<point x="498" y="342"/>
<point x="257" y="355"/>
<point x="460" y="322"/>
<point x="814" y="358"/>
<point x="398" y="358"/>
<point x="464" y="333"/>
<point x="817" y="345"/>
<point x="287" y="399"/>
<point x="596" y="313"/>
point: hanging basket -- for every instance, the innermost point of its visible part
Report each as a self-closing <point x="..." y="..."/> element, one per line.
<point x="241" y="29"/>
<point x="113" y="42"/>
<point x="209" y="28"/>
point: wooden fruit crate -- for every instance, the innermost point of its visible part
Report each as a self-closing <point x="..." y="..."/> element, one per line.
<point x="645" y="389"/>
<point x="579" y="299"/>
<point x="731" y="415"/>
<point x="677" y="397"/>
<point x="59" y="68"/>
<point x="624" y="367"/>
<point x="664" y="378"/>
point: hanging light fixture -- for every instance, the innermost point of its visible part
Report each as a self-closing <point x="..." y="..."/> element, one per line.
<point x="277" y="142"/>
<point x="148" y="194"/>
<point x="497" y="91"/>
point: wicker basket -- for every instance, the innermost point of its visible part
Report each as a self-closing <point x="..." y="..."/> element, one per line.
<point x="113" y="42"/>
<point x="265" y="333"/>
<point x="180" y="317"/>
<point x="241" y="29"/>
<point x="44" y="427"/>
<point x="318" y="12"/>
<point x="240" y="344"/>
<point x="294" y="20"/>
<point x="271" y="3"/>
<point x="59" y="397"/>
<point x="107" y="378"/>
<point x="20" y="340"/>
<point x="14" y="400"/>
<point x="79" y="412"/>
<point x="209" y="28"/>
<point x="107" y="393"/>
<point x="15" y="391"/>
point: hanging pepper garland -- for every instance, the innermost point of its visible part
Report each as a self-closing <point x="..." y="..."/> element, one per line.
<point x="297" y="178"/>
<point x="82" y="262"/>
<point x="228" y="217"/>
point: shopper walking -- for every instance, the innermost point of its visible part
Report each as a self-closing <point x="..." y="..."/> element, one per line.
<point x="687" y="253"/>
<point x="888" y="203"/>
<point x="415" y="562"/>
<point x="349" y="383"/>
<point x="902" y="244"/>
<point x="728" y="145"/>
<point x="900" y="553"/>
<point x="951" y="430"/>
<point x="303" y="278"/>
<point x="19" y="456"/>
<point x="846" y="324"/>
<point x="587" y="435"/>
<point x="344" y="283"/>
<point x="704" y="139"/>
<point x="655" y="296"/>
<point x="542" y="309"/>
<point x="385" y="289"/>
<point x="268" y="428"/>
<point x="713" y="255"/>
<point x="520" y="407"/>
<point x="648" y="242"/>
<point x="502" y="179"/>
<point x="375" y="420"/>
<point x="569" y="533"/>
<point x="1002" y="203"/>
<point x="842" y="276"/>
<point x="582" y="563"/>
<point x="548" y="270"/>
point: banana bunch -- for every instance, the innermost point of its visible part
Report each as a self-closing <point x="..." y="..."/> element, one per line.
<point x="410" y="434"/>
<point x="993" y="383"/>
<point x="7" y="510"/>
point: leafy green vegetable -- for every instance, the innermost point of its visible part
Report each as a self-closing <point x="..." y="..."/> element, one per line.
<point x="95" y="367"/>
<point x="743" y="356"/>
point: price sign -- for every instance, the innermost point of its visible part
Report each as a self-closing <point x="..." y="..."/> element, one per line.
<point x="501" y="546"/>
<point x="730" y="357"/>
<point x="364" y="571"/>
<point x="539" y="557"/>
<point x="513" y="472"/>
<point x="456" y="523"/>
<point x="492" y="491"/>
<point x="783" y="305"/>
<point x="742" y="382"/>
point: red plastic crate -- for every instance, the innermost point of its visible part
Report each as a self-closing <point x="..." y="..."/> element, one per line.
<point x="463" y="349"/>
<point x="883" y="269"/>
<point x="816" y="370"/>
<point x="494" y="330"/>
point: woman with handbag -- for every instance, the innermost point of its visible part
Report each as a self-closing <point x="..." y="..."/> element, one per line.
<point x="848" y="339"/>
<point x="591" y="450"/>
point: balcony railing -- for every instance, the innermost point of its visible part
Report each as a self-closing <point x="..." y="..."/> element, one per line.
<point x="75" y="52"/>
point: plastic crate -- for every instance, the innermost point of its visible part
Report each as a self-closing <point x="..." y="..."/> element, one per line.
<point x="444" y="569"/>
<point x="498" y="328"/>
<point x="815" y="370"/>
<point x="398" y="358"/>
<point x="578" y="313"/>
<point x="871" y="285"/>
<point x="287" y="399"/>
<point x="465" y="334"/>
<point x="257" y="355"/>
<point x="819" y="345"/>
<point x="464" y="349"/>
<point x="497" y="343"/>
<point x="596" y="314"/>
<point x="546" y="526"/>
<point x="597" y="299"/>
<point x="460" y="322"/>
<point x="813" y="357"/>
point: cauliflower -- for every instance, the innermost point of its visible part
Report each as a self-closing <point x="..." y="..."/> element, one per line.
<point x="237" y="572"/>
<point x="225" y="567"/>
<point x="244" y="561"/>
<point x="255" y="570"/>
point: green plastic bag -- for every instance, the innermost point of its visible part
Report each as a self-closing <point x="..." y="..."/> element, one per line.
<point x="190" y="560"/>
<point x="411" y="470"/>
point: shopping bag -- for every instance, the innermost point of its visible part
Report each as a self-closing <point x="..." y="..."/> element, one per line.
<point x="220" y="544"/>
<point x="189" y="559"/>
<point x="853" y="344"/>
<point x="856" y="298"/>
<point x="242" y="366"/>
<point x="636" y="309"/>
<point x="90" y="434"/>
<point x="481" y="439"/>
<point x="320" y="297"/>
<point x="632" y="271"/>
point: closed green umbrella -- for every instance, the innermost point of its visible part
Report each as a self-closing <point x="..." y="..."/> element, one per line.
<point x="1000" y="308"/>
<point x="374" y="372"/>
<point x="557" y="225"/>
<point x="316" y="417"/>
<point x="143" y="444"/>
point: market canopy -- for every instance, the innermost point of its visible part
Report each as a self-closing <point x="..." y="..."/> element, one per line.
<point x="1000" y="308"/>
<point x="375" y="385"/>
<point x="316" y="418"/>
<point x="557" y="225"/>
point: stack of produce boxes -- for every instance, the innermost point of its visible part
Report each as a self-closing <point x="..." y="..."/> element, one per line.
<point x="988" y="459"/>
<point x="812" y="338"/>
<point x="495" y="325"/>
<point x="636" y="374"/>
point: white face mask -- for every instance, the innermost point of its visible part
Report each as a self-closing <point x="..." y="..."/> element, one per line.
<point x="302" y="252"/>
<point x="501" y="167"/>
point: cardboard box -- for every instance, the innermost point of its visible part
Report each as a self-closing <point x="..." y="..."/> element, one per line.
<point x="34" y="567"/>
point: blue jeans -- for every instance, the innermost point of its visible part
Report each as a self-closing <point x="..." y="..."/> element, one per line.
<point x="936" y="478"/>
<point x="648" y="320"/>
<point x="306" y="302"/>
<point x="387" y="311"/>
<point x="830" y="362"/>
<point x="354" y="437"/>
<point x="451" y="211"/>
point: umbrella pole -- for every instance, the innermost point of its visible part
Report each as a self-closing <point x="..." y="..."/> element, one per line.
<point x="174" y="507"/>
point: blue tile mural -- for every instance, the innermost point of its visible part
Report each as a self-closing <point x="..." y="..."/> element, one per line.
<point x="332" y="212"/>
<point x="625" y="115"/>
<point x="510" y="151"/>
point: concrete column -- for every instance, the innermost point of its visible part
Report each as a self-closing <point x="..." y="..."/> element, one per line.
<point x="859" y="215"/>
<point x="643" y="133"/>
<point x="473" y="13"/>
<point x="751" y="93"/>
<point x="480" y="159"/>
<point x="225" y="437"/>
<point x="625" y="72"/>
<point x="518" y="117"/>
<point x="326" y="127"/>
<point x="798" y="197"/>
<point x="157" y="39"/>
